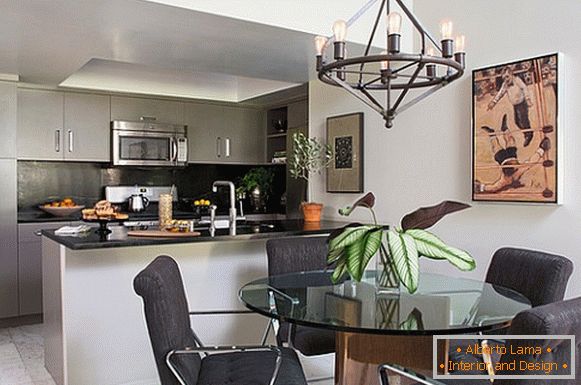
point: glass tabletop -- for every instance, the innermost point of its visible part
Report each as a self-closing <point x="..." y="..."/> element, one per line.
<point x="442" y="304"/>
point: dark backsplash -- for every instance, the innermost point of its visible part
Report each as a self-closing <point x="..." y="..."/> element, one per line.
<point x="39" y="182"/>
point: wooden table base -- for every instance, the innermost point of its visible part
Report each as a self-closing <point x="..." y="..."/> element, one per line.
<point x="358" y="355"/>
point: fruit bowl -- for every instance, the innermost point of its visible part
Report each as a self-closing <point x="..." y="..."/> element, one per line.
<point x="62" y="211"/>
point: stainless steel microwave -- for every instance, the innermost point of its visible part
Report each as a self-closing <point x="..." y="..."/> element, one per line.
<point x="148" y="144"/>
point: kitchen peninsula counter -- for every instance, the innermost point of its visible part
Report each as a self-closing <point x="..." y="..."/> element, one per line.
<point x="246" y="231"/>
<point x="94" y="326"/>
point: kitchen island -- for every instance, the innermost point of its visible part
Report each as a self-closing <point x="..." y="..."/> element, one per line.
<point x="95" y="331"/>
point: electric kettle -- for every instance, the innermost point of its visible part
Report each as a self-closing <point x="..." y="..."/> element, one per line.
<point x="137" y="203"/>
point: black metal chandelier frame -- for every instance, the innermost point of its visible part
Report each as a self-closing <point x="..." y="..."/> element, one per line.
<point x="393" y="78"/>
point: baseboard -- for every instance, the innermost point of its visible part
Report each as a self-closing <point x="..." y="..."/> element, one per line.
<point x="21" y="320"/>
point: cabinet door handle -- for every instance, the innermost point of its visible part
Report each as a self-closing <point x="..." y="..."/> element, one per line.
<point x="218" y="147"/>
<point x="227" y="145"/>
<point x="57" y="140"/>
<point x="71" y="141"/>
<point x="147" y="118"/>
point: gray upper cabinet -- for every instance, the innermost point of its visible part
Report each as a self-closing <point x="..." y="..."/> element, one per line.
<point x="244" y="134"/>
<point x="134" y="109"/>
<point x="87" y="122"/>
<point x="298" y="114"/>
<point x="224" y="134"/>
<point x="8" y="100"/>
<point x="40" y="125"/>
<point x="204" y="123"/>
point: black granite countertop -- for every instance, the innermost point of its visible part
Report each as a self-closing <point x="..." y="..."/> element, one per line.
<point x="245" y="231"/>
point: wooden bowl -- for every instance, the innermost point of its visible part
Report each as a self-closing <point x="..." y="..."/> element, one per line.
<point x="62" y="211"/>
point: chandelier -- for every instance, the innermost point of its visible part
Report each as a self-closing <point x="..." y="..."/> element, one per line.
<point x="391" y="74"/>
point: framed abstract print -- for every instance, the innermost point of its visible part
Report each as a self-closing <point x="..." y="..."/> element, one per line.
<point x="345" y="136"/>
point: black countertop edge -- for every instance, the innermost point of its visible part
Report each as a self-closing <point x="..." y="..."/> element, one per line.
<point x="119" y="236"/>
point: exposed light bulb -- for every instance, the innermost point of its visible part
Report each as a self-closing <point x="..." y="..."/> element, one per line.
<point x="320" y="42"/>
<point x="340" y="30"/>
<point x="394" y="23"/>
<point x="460" y="43"/>
<point x="384" y="63"/>
<point x="446" y="29"/>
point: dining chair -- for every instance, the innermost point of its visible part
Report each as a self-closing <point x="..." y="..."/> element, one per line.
<point x="541" y="277"/>
<point x="177" y="348"/>
<point x="557" y="318"/>
<point x="291" y="255"/>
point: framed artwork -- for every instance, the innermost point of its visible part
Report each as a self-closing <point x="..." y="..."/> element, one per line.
<point x="345" y="136"/>
<point x="515" y="131"/>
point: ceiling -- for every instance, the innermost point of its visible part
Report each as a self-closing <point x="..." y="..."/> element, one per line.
<point x="45" y="42"/>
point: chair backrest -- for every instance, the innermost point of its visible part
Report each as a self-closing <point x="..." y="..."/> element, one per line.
<point x="558" y="318"/>
<point x="539" y="276"/>
<point x="291" y="255"/>
<point x="167" y="315"/>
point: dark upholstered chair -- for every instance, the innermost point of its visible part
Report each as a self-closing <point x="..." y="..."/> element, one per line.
<point x="291" y="255"/>
<point x="558" y="318"/>
<point x="176" y="347"/>
<point x="539" y="276"/>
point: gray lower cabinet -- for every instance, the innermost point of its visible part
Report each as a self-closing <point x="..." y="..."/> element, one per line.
<point x="40" y="125"/>
<point x="30" y="265"/>
<point x="8" y="240"/>
<point x="134" y="109"/>
<point x="87" y="127"/>
<point x="224" y="134"/>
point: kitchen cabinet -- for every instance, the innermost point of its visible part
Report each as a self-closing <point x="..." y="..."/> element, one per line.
<point x="40" y="124"/>
<point x="87" y="127"/>
<point x="30" y="265"/>
<point x="8" y="100"/>
<point x="8" y="240"/>
<point x="298" y="114"/>
<point x="224" y="134"/>
<point x="134" y="109"/>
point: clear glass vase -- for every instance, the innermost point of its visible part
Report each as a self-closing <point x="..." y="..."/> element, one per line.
<point x="386" y="278"/>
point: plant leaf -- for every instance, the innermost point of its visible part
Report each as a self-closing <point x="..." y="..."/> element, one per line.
<point x="339" y="271"/>
<point x="335" y="255"/>
<point x="403" y="251"/>
<point x="335" y="233"/>
<point x="413" y="321"/>
<point x="431" y="246"/>
<point x="359" y="253"/>
<point x="368" y="200"/>
<point x="348" y="236"/>
<point x="426" y="217"/>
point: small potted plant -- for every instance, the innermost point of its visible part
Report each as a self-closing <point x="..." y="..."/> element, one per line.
<point x="258" y="183"/>
<point x="398" y="250"/>
<point x="309" y="156"/>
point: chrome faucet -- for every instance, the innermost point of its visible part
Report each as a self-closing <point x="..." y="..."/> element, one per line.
<point x="232" y="211"/>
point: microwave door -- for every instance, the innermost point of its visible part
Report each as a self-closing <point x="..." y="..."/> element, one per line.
<point x="143" y="149"/>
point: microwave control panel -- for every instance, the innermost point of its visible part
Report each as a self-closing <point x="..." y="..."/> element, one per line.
<point x="182" y="150"/>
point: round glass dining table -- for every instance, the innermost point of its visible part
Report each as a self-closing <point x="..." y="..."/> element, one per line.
<point x="373" y="328"/>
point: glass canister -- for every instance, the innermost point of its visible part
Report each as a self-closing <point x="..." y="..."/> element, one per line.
<point x="165" y="209"/>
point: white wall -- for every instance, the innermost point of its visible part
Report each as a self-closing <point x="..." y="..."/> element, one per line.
<point x="425" y="158"/>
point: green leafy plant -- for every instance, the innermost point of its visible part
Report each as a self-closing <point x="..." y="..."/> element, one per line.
<point x="353" y="246"/>
<point x="257" y="177"/>
<point x="308" y="156"/>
